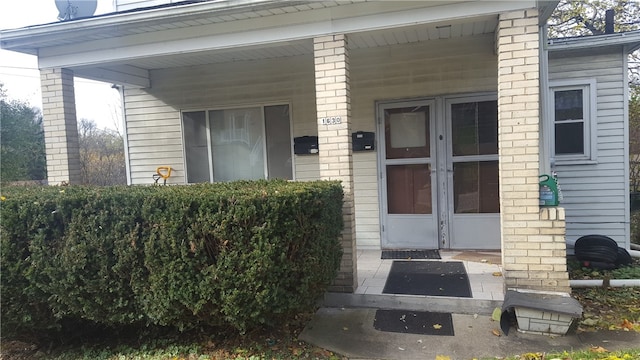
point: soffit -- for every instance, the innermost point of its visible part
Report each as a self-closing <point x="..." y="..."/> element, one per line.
<point x="388" y="37"/>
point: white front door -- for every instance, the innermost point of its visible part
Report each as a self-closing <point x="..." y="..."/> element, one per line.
<point x="439" y="173"/>
<point x="472" y="166"/>
<point x="408" y="176"/>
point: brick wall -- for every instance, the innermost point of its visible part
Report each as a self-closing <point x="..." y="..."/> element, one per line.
<point x="333" y="101"/>
<point x="533" y="246"/>
<point x="60" y="126"/>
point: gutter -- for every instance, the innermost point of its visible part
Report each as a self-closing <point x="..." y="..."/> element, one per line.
<point x="616" y="39"/>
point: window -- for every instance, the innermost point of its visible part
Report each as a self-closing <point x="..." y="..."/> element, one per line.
<point x="237" y="144"/>
<point x="573" y="124"/>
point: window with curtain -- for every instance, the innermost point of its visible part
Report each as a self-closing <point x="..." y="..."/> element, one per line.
<point x="237" y="144"/>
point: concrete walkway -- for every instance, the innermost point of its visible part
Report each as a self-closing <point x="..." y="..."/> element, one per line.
<point x="350" y="332"/>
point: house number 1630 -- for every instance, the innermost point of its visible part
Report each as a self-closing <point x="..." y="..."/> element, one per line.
<point x="331" y="120"/>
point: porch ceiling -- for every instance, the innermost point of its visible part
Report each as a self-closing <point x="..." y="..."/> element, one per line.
<point x="386" y="37"/>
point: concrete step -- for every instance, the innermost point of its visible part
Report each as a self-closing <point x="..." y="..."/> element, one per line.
<point x="454" y="305"/>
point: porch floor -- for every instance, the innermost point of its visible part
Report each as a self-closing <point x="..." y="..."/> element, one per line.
<point x="485" y="285"/>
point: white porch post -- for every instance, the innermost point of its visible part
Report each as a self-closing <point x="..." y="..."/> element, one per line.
<point x="331" y="58"/>
<point x="533" y="241"/>
<point x="60" y="126"/>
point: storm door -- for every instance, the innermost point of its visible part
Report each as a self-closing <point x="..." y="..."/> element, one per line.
<point x="472" y="166"/>
<point x="407" y="158"/>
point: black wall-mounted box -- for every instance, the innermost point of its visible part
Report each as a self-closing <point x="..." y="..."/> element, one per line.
<point x="305" y="145"/>
<point x="363" y="141"/>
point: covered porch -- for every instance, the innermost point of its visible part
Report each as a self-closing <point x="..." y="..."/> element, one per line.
<point x="330" y="69"/>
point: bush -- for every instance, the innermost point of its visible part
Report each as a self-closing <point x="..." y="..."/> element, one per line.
<point x="240" y="254"/>
<point x="635" y="227"/>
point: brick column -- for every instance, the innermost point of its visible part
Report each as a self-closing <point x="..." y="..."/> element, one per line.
<point x="60" y="126"/>
<point x="533" y="246"/>
<point x="333" y="106"/>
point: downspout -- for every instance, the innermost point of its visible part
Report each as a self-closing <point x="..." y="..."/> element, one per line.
<point x="125" y="136"/>
<point x="604" y="283"/>
<point x="545" y="159"/>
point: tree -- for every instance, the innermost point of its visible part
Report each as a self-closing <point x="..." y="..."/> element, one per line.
<point x="22" y="148"/>
<point x="102" y="159"/>
<point x="583" y="18"/>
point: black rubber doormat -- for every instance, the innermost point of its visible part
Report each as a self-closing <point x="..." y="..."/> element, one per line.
<point x="414" y="322"/>
<point x="410" y="254"/>
<point x="433" y="278"/>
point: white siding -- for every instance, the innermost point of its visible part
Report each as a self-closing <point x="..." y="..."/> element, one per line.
<point x="594" y="194"/>
<point x="437" y="67"/>
<point x="153" y="115"/>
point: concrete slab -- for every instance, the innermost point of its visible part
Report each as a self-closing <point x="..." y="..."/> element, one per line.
<point x="350" y="332"/>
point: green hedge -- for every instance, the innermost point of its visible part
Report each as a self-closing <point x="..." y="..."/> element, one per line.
<point x="239" y="254"/>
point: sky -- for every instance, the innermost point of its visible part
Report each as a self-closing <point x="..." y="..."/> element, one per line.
<point x="19" y="72"/>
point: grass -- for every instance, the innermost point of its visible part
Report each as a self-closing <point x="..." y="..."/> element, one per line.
<point x="594" y="353"/>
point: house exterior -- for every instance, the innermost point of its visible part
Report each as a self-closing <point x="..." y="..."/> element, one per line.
<point x="452" y="108"/>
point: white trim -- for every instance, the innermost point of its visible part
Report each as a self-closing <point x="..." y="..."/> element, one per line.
<point x="207" y="120"/>
<point x="625" y="116"/>
<point x="545" y="128"/>
<point x="125" y="137"/>
<point x="589" y="113"/>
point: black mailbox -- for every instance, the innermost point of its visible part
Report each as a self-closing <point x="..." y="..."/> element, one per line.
<point x="363" y="141"/>
<point x="305" y="145"/>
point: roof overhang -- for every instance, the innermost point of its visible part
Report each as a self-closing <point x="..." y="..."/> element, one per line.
<point x="628" y="40"/>
<point x="107" y="45"/>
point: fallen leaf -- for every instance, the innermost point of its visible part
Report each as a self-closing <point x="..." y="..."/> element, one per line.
<point x="345" y="328"/>
<point x="589" y="322"/>
<point x="626" y="324"/>
<point x="598" y="349"/>
<point x="497" y="273"/>
<point x="437" y="326"/>
<point x="497" y="314"/>
<point x="496" y="332"/>
<point x="442" y="357"/>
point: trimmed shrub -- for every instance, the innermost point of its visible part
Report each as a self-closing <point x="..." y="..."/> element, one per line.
<point x="239" y="254"/>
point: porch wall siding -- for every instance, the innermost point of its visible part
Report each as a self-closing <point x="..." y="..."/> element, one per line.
<point x="594" y="194"/>
<point x="448" y="66"/>
<point x="418" y="70"/>
<point x="154" y="137"/>
<point x="153" y="115"/>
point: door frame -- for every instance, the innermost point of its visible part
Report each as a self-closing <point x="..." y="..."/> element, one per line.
<point x="441" y="159"/>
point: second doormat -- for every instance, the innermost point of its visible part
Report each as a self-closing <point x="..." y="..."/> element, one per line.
<point x="432" y="278"/>
<point x="410" y="254"/>
<point x="414" y="322"/>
